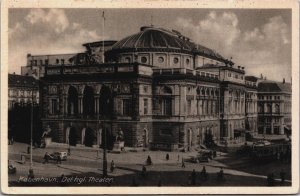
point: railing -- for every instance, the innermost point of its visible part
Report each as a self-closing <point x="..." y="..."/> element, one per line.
<point x="173" y="71"/>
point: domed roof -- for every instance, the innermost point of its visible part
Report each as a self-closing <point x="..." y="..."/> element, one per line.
<point x="151" y="37"/>
<point x="158" y="39"/>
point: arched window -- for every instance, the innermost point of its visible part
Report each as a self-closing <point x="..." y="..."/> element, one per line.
<point x="105" y="102"/>
<point x="88" y="101"/>
<point x="72" y="101"/>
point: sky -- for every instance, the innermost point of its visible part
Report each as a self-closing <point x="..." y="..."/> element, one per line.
<point x="258" y="39"/>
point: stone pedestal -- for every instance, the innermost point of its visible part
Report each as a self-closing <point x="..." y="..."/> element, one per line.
<point x="48" y="141"/>
<point x="118" y="146"/>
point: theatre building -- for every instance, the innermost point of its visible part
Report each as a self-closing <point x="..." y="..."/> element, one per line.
<point x="157" y="87"/>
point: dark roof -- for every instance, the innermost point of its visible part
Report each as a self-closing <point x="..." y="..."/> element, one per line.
<point x="251" y="78"/>
<point x="268" y="86"/>
<point x="100" y="43"/>
<point x="15" y="80"/>
<point x="152" y="37"/>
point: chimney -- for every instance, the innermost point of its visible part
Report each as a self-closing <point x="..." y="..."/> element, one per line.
<point x="283" y="81"/>
<point x="265" y="78"/>
<point x="261" y="76"/>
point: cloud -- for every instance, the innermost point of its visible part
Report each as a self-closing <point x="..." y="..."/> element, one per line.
<point x="265" y="49"/>
<point x="46" y="32"/>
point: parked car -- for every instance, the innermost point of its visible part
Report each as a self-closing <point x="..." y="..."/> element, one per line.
<point x="54" y="156"/>
<point x="203" y="149"/>
<point x="199" y="159"/>
<point x="262" y="143"/>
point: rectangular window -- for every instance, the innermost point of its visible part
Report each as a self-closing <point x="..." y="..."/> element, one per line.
<point x="62" y="61"/>
<point x="166" y="106"/>
<point x="54" y="106"/>
<point x="126" y="107"/>
<point x="145" y="106"/>
<point x="46" y="62"/>
<point x="57" y="61"/>
<point x="229" y="74"/>
<point x="41" y="62"/>
<point x="189" y="107"/>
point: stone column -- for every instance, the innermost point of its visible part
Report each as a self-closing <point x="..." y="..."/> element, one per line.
<point x="65" y="105"/>
<point x="80" y="107"/>
<point x="96" y="104"/>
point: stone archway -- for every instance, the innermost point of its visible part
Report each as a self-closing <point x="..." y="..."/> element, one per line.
<point x="105" y="102"/>
<point x="89" y="137"/>
<point x="72" y="136"/>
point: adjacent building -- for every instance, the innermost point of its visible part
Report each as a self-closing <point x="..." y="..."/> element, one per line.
<point x="274" y="107"/>
<point x="23" y="106"/>
<point x="22" y="90"/>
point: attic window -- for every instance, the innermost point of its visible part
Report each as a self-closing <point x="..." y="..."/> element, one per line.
<point x="127" y="59"/>
<point x="175" y="60"/>
<point x="161" y="59"/>
<point x="187" y="61"/>
<point x="144" y="59"/>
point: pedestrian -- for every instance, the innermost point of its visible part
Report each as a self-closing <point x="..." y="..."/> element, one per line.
<point x="204" y="173"/>
<point x="214" y="154"/>
<point x="133" y="182"/>
<point x="183" y="164"/>
<point x="149" y="161"/>
<point x="159" y="180"/>
<point x="270" y="179"/>
<point x="46" y="158"/>
<point x="282" y="176"/>
<point x="167" y="157"/>
<point x="69" y="151"/>
<point x="193" y="177"/>
<point x="144" y="172"/>
<point x="58" y="160"/>
<point x="112" y="166"/>
<point x="61" y="179"/>
<point x="30" y="174"/>
<point x="178" y="158"/>
<point x="28" y="149"/>
<point x="221" y="174"/>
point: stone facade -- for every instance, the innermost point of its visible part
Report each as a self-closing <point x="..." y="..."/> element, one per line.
<point x="162" y="93"/>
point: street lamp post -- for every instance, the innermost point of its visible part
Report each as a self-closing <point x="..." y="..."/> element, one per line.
<point x="31" y="132"/>
<point x="104" y="155"/>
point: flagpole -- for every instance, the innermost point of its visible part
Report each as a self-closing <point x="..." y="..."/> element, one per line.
<point x="103" y="56"/>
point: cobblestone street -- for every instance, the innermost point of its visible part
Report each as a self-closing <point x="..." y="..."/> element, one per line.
<point x="88" y="163"/>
